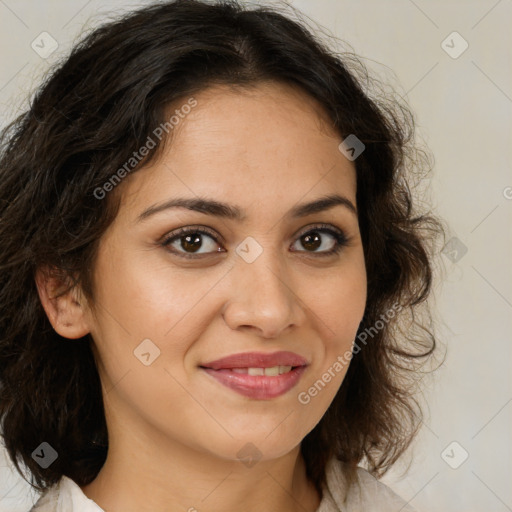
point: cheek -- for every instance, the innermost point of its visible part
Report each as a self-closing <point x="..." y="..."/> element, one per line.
<point x="340" y="305"/>
<point x="144" y="296"/>
<point x="140" y="300"/>
<point x="341" y="302"/>
<point x="345" y="312"/>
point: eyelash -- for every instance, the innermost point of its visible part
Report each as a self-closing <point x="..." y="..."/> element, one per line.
<point x="341" y="240"/>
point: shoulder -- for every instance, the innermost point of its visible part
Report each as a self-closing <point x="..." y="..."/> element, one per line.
<point x="47" y="501"/>
<point x="65" y="496"/>
<point x="365" y="493"/>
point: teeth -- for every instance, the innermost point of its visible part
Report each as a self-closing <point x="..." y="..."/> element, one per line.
<point x="256" y="371"/>
<point x="269" y="372"/>
<point x="239" y="370"/>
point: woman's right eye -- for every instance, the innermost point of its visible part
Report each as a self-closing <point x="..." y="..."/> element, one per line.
<point x="186" y="242"/>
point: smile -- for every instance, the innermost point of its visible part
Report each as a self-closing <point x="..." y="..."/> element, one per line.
<point x="257" y="375"/>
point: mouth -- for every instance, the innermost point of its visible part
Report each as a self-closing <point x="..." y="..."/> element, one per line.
<point x="257" y="375"/>
<point x="271" y="371"/>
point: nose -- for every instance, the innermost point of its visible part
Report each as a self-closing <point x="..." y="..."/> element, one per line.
<point x="262" y="297"/>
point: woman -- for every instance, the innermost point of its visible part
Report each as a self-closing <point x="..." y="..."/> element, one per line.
<point x="209" y="256"/>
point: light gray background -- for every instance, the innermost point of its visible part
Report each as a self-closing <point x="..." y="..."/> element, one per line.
<point x="463" y="107"/>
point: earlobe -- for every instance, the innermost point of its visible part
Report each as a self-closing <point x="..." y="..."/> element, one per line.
<point x="64" y="308"/>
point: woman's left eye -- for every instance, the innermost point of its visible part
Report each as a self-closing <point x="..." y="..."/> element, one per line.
<point x="191" y="239"/>
<point x="315" y="240"/>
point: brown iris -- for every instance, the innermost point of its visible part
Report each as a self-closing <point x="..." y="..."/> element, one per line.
<point x="311" y="240"/>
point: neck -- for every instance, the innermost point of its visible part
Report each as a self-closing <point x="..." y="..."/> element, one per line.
<point x="168" y="476"/>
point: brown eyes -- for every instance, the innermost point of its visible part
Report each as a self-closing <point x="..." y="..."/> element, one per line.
<point x="187" y="242"/>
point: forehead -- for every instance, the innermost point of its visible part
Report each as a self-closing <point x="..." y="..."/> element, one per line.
<point x="268" y="144"/>
<point x="262" y="118"/>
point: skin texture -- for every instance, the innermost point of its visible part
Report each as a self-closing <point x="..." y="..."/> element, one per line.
<point x="174" y="432"/>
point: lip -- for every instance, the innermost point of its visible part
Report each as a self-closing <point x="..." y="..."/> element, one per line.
<point x="259" y="387"/>
<point x="257" y="360"/>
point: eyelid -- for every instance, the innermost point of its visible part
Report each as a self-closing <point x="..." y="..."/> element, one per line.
<point x="193" y="228"/>
<point x="321" y="226"/>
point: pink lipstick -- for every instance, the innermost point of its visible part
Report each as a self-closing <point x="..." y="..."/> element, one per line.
<point x="258" y="375"/>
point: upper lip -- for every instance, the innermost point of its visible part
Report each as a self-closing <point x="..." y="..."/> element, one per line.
<point x="257" y="360"/>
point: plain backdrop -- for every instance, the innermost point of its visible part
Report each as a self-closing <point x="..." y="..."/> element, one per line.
<point x="451" y="60"/>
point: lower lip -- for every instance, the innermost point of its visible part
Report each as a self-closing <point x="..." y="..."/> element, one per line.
<point x="259" y="387"/>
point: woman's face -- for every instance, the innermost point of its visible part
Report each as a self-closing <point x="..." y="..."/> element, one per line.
<point x="169" y="305"/>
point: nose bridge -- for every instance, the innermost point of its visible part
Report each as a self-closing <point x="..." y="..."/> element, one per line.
<point x="261" y="297"/>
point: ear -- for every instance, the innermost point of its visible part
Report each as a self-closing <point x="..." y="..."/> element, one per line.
<point x="65" y="309"/>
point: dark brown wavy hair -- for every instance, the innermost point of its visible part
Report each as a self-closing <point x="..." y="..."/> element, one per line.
<point x="86" y="119"/>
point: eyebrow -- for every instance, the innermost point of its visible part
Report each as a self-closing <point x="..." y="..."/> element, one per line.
<point x="233" y="212"/>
